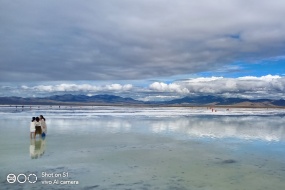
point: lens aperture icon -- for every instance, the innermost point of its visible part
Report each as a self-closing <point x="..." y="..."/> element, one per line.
<point x="32" y="178"/>
<point x="22" y="178"/>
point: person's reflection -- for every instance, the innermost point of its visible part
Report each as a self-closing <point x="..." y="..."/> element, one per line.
<point x="37" y="148"/>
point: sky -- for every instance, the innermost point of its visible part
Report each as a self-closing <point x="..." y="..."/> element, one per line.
<point x="144" y="49"/>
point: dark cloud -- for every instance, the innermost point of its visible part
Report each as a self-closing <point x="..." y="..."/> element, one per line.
<point x="110" y="40"/>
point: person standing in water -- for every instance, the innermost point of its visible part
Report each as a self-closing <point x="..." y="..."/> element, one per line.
<point x="43" y="125"/>
<point x="32" y="128"/>
<point x="38" y="127"/>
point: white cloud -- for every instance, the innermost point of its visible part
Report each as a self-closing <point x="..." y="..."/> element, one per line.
<point x="78" y="88"/>
<point x="118" y="87"/>
<point x="173" y="87"/>
<point x="269" y="86"/>
<point x="249" y="86"/>
<point x="65" y="87"/>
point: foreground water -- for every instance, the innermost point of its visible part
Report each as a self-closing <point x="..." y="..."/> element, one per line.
<point x="143" y="148"/>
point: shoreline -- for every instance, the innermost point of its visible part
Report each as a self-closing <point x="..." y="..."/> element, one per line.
<point x="68" y="104"/>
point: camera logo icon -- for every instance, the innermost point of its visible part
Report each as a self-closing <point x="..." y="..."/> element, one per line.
<point x="11" y="178"/>
<point x="22" y="178"/>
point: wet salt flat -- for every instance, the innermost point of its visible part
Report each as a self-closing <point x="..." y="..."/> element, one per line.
<point x="144" y="148"/>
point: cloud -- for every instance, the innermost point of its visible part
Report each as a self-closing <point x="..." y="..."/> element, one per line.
<point x="110" y="40"/>
<point x="118" y="87"/>
<point x="252" y="87"/>
<point x="77" y="88"/>
<point x="248" y="87"/>
<point x="173" y="87"/>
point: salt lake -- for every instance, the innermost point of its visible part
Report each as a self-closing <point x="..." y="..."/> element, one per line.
<point x="109" y="147"/>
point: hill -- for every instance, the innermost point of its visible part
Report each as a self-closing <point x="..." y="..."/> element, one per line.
<point x="106" y="99"/>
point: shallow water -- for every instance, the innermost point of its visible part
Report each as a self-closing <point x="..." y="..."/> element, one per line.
<point x="144" y="148"/>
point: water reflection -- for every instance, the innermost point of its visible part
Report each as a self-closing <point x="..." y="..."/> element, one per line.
<point x="265" y="128"/>
<point x="37" y="148"/>
<point x="248" y="128"/>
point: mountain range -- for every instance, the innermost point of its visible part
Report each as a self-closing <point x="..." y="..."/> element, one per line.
<point x="106" y="99"/>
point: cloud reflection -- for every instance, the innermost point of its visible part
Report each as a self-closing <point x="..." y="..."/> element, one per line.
<point x="241" y="127"/>
<point x="265" y="128"/>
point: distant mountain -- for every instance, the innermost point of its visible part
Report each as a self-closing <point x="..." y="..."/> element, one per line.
<point x="197" y="100"/>
<point x="69" y="99"/>
<point x="26" y="101"/>
<point x="106" y="99"/>
<point x="214" y="100"/>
